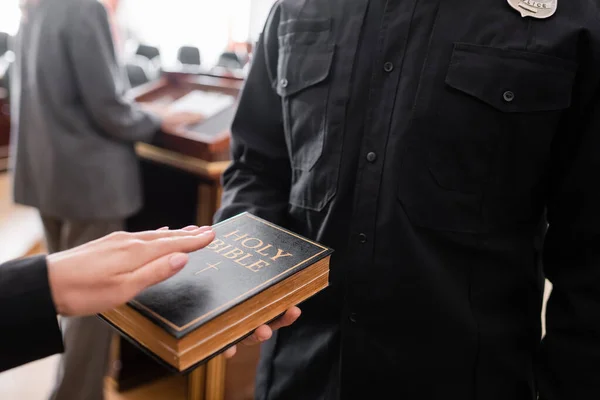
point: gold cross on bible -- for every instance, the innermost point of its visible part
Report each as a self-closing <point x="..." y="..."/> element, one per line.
<point x="210" y="266"/>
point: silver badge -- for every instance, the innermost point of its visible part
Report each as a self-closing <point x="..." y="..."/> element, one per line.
<point x="534" y="8"/>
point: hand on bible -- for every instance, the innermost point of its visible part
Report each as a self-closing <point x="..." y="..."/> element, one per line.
<point x="265" y="332"/>
<point x="110" y="271"/>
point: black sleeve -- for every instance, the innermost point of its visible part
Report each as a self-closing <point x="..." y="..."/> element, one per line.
<point x="28" y="323"/>
<point x="258" y="180"/>
<point x="570" y="358"/>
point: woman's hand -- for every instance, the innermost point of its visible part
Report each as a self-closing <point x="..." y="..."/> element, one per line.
<point x="110" y="271"/>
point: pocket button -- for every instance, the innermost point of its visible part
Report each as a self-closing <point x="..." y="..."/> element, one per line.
<point x="283" y="83"/>
<point x="508" y="96"/>
<point x="371" y="157"/>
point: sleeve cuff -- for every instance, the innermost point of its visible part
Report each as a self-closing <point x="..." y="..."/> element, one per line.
<point x="153" y="125"/>
<point x="28" y="320"/>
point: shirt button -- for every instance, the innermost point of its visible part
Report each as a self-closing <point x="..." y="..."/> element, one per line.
<point x="284" y="83"/>
<point x="388" y="67"/>
<point x="508" y="96"/>
<point x="371" y="157"/>
<point x="353" y="317"/>
<point x="362" y="238"/>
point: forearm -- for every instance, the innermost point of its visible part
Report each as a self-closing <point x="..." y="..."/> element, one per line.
<point x="570" y="357"/>
<point x="128" y="122"/>
<point x="570" y="353"/>
<point x="28" y="321"/>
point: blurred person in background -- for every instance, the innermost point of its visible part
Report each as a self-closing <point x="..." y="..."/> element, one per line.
<point x="73" y="152"/>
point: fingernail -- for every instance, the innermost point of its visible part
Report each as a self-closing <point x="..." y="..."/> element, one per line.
<point x="178" y="261"/>
<point x="207" y="233"/>
<point x="164" y="228"/>
<point x="190" y="228"/>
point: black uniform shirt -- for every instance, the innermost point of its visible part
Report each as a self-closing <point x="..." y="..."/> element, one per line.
<point x="425" y="141"/>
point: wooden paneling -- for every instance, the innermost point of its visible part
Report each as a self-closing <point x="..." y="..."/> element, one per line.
<point x="207" y="140"/>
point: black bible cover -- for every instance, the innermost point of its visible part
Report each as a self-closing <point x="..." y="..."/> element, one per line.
<point x="248" y="257"/>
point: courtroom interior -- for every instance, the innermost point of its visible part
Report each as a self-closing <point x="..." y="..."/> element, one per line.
<point x="167" y="50"/>
<point x="421" y="143"/>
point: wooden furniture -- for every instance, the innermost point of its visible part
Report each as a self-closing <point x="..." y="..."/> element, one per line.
<point x="208" y="140"/>
<point x="214" y="71"/>
<point x="4" y="129"/>
<point x="181" y="177"/>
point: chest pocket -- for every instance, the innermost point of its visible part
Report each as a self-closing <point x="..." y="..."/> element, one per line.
<point x="306" y="52"/>
<point x="481" y="135"/>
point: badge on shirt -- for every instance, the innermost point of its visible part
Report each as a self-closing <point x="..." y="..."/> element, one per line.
<point x="534" y="8"/>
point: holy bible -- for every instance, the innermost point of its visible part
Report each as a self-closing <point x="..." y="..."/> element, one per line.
<point x="248" y="276"/>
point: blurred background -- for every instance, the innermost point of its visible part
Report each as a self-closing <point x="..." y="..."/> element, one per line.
<point x="152" y="35"/>
<point x="153" y="39"/>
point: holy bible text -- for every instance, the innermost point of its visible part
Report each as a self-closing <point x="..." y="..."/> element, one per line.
<point x="250" y="274"/>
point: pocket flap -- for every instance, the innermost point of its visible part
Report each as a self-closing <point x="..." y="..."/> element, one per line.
<point x="303" y="25"/>
<point x="512" y="81"/>
<point x="302" y="66"/>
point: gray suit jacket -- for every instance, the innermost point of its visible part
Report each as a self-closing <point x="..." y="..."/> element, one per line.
<point x="74" y="131"/>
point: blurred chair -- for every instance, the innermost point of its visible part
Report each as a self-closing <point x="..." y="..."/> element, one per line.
<point x="5" y="63"/>
<point x="139" y="70"/>
<point x="137" y="74"/>
<point x="230" y="60"/>
<point x="151" y="53"/>
<point x="189" y="55"/>
<point x="4" y="42"/>
<point x="148" y="51"/>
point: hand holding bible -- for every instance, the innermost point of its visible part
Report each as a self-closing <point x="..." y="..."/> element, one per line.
<point x="240" y="288"/>
<point x="264" y="332"/>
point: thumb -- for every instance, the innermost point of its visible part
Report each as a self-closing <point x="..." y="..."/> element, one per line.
<point x="157" y="271"/>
